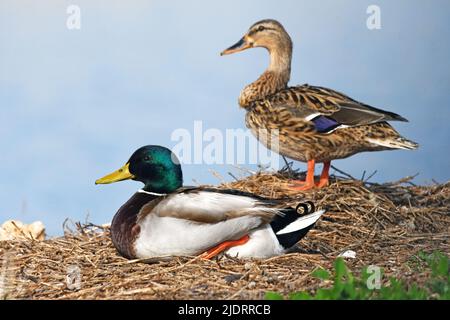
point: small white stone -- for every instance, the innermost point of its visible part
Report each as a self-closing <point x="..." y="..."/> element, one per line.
<point x="348" y="254"/>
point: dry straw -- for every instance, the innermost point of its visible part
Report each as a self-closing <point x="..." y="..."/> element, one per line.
<point x="385" y="224"/>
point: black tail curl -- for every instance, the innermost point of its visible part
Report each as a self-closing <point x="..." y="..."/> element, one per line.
<point x="306" y="207"/>
<point x="290" y="215"/>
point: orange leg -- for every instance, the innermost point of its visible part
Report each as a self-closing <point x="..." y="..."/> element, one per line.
<point x="309" y="182"/>
<point x="325" y="175"/>
<point x="211" y="253"/>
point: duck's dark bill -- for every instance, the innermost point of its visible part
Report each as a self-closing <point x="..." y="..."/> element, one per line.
<point x="119" y="175"/>
<point x="239" y="46"/>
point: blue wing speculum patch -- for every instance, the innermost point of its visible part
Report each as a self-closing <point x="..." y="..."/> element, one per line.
<point x="324" y="124"/>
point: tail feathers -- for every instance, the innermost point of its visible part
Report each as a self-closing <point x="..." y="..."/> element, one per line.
<point x="292" y="227"/>
<point x="399" y="143"/>
<point x="301" y="223"/>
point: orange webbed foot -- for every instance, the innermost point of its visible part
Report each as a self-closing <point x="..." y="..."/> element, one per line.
<point x="322" y="183"/>
<point x="324" y="177"/>
<point x="211" y="253"/>
<point x="301" y="185"/>
<point x="308" y="184"/>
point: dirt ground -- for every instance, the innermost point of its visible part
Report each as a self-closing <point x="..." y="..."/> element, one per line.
<point x="384" y="224"/>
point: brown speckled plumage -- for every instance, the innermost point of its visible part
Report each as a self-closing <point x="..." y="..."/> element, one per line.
<point x="297" y="115"/>
<point x="285" y="113"/>
<point x="268" y="83"/>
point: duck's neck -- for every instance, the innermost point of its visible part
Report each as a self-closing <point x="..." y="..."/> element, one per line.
<point x="275" y="78"/>
<point x="164" y="179"/>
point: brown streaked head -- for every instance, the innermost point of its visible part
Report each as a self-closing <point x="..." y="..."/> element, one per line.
<point x="269" y="34"/>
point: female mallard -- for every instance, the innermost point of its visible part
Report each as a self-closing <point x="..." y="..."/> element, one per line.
<point x="164" y="218"/>
<point x="312" y="124"/>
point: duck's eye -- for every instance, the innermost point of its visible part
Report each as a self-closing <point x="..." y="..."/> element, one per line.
<point x="146" y="158"/>
<point x="261" y="28"/>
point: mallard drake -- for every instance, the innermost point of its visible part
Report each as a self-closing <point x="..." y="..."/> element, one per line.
<point x="312" y="124"/>
<point x="166" y="219"/>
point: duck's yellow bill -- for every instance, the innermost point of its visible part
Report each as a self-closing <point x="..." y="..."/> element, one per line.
<point x="119" y="175"/>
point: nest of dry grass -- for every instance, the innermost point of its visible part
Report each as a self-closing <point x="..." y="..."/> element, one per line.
<point x="385" y="224"/>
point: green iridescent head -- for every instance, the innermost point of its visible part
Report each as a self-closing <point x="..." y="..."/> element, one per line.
<point x="155" y="166"/>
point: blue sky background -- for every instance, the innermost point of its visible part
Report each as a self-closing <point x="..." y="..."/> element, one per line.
<point x="74" y="104"/>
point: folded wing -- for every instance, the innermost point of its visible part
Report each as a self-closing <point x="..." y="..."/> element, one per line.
<point x="205" y="205"/>
<point x="328" y="109"/>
